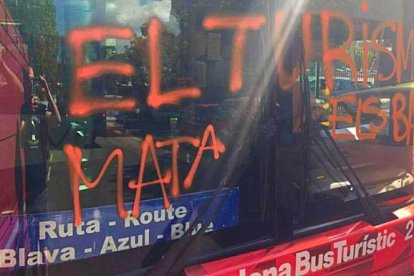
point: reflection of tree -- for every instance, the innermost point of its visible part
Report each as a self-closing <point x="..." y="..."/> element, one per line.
<point x="136" y="53"/>
<point x="38" y="27"/>
<point x="356" y="52"/>
<point x="175" y="50"/>
<point x="190" y="14"/>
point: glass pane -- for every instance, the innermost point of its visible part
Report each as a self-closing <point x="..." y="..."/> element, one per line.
<point x="362" y="103"/>
<point x="129" y="132"/>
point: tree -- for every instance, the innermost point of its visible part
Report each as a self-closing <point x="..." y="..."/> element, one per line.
<point x="38" y="29"/>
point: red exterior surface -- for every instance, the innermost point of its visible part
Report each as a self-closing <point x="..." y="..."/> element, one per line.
<point x="394" y="260"/>
<point x="11" y="99"/>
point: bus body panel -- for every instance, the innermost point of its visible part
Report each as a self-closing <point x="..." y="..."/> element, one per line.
<point x="13" y="55"/>
<point x="327" y="253"/>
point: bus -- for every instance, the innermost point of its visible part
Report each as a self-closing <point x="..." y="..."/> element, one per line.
<point x="264" y="137"/>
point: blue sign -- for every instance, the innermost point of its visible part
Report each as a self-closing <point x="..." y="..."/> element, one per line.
<point x="54" y="238"/>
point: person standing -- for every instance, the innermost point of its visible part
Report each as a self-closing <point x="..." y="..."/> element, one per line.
<point x="35" y="119"/>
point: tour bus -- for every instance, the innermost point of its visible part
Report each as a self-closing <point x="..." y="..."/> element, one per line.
<point x="248" y="167"/>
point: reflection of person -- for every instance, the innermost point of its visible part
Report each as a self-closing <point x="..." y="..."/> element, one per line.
<point x="35" y="118"/>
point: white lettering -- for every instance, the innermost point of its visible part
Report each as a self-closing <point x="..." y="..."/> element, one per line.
<point x="35" y="258"/>
<point x="123" y="244"/>
<point x="177" y="231"/>
<point x="51" y="258"/>
<point x="68" y="254"/>
<point x="302" y="263"/>
<point x="181" y="212"/>
<point x="108" y="245"/>
<point x="7" y="258"/>
<point x="47" y="227"/>
<point x="93" y="226"/>
<point x="339" y="246"/>
<point x="130" y="219"/>
<point x="391" y="240"/>
<point x="146" y="218"/>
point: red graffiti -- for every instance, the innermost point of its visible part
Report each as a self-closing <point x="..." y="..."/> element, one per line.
<point x="331" y="54"/>
<point x="216" y="146"/>
<point x="148" y="144"/>
<point x="156" y="98"/>
<point x="401" y="59"/>
<point x="80" y="104"/>
<point x="334" y="118"/>
<point x="175" y="144"/>
<point x="404" y="53"/>
<point x="367" y="107"/>
<point x="74" y="156"/>
<point x="241" y="24"/>
<point x="376" y="45"/>
<point x="148" y="147"/>
<point x="365" y="49"/>
<point x="364" y="6"/>
<point x="403" y="117"/>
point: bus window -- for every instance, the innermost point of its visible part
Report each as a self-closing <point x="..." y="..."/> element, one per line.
<point x="141" y="128"/>
<point x="355" y="136"/>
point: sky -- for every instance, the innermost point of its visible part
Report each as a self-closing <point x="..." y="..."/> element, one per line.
<point x="132" y="13"/>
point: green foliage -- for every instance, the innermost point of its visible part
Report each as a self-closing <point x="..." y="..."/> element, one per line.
<point x="38" y="29"/>
<point x="356" y="52"/>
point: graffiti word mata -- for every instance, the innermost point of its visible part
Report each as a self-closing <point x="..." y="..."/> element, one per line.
<point x="209" y="142"/>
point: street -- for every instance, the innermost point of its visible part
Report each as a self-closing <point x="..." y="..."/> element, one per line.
<point x="59" y="190"/>
<point x="93" y="158"/>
